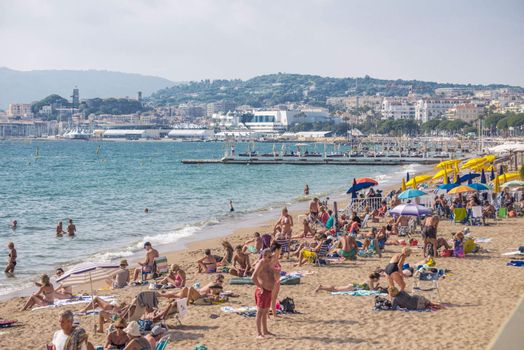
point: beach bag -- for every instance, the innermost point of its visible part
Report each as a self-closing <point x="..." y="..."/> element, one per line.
<point x="446" y="253"/>
<point x="382" y="304"/>
<point x="288" y="305"/>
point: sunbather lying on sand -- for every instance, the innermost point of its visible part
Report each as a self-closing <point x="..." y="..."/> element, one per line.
<point x="372" y="284"/>
<point x="211" y="290"/>
<point x="411" y="302"/>
<point x="108" y="310"/>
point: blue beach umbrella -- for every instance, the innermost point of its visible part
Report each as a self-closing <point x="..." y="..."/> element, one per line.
<point x="479" y="186"/>
<point x="501" y="170"/>
<point x="483" y="177"/>
<point x="407" y="176"/>
<point x="468" y="177"/>
<point x="447" y="186"/>
<point x="357" y="187"/>
<point x="492" y="176"/>
<point x="411" y="193"/>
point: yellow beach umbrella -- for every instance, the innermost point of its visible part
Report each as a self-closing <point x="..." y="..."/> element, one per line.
<point x="461" y="189"/>
<point x="507" y="177"/>
<point x="490" y="158"/>
<point x="446" y="177"/>
<point x="439" y="174"/>
<point x="403" y="185"/>
<point x="447" y="163"/>
<point x="414" y="183"/>
<point x="418" y="179"/>
<point x="472" y="162"/>
<point x="496" y="188"/>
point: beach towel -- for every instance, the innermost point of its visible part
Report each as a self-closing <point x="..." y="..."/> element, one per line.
<point x="83" y="299"/>
<point x="360" y="293"/>
<point x="517" y="263"/>
<point x="7" y="323"/>
<point x="513" y="253"/>
<point x="241" y="280"/>
<point x="483" y="240"/>
<point x="148" y="298"/>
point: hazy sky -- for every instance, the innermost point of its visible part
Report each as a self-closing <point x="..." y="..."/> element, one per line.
<point x="446" y="40"/>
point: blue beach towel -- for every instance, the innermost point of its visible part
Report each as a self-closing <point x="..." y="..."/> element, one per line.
<point x="517" y="263"/>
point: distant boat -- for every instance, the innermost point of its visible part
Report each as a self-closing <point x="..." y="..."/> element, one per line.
<point x="77" y="134"/>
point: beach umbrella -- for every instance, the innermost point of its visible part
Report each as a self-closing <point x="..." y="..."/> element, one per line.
<point x="496" y="188"/>
<point x="352" y="189"/>
<point x="473" y="162"/>
<point x="514" y="183"/>
<point x="447" y="163"/>
<point x="468" y="177"/>
<point x="403" y="186"/>
<point x="419" y="179"/>
<point x="461" y="189"/>
<point x="479" y="186"/>
<point x="483" y="177"/>
<point x="88" y="273"/>
<point x="407" y="176"/>
<point x="457" y="178"/>
<point x="411" y="193"/>
<point x="365" y="180"/>
<point x="410" y="209"/>
<point x="492" y="176"/>
<point x="414" y="184"/>
<point x="439" y="174"/>
<point x="508" y="176"/>
<point x="501" y="170"/>
<point x="447" y="186"/>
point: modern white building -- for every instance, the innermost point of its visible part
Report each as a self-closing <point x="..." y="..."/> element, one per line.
<point x="193" y="134"/>
<point x="227" y="120"/>
<point x="397" y="109"/>
<point x="131" y="134"/>
<point x="427" y="109"/>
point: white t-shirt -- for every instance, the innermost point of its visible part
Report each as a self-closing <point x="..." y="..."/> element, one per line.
<point x="60" y="339"/>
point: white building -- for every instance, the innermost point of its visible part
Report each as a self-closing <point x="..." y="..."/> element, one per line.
<point x="19" y="110"/>
<point x="397" y="109"/>
<point x="193" y="134"/>
<point x="428" y="109"/>
<point x="228" y="120"/>
<point x="131" y="134"/>
<point x="467" y="112"/>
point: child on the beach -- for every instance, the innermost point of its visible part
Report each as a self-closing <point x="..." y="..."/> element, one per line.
<point x="458" y="245"/>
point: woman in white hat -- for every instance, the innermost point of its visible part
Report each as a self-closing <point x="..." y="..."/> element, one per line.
<point x="137" y="341"/>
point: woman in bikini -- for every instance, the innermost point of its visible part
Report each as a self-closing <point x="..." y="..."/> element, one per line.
<point x="208" y="264"/>
<point x="394" y="269"/>
<point x="176" y="277"/>
<point x="117" y="339"/>
<point x="44" y="296"/>
<point x="372" y="284"/>
<point x="275" y="262"/>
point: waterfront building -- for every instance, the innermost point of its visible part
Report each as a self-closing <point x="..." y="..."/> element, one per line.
<point x="431" y="108"/>
<point x="19" y="110"/>
<point x="397" y="108"/>
<point x="467" y="112"/>
<point x="220" y="106"/>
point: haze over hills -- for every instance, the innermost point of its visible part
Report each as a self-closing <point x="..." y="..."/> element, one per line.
<point x="28" y="86"/>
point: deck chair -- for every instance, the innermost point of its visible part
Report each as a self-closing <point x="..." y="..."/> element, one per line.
<point x="427" y="276"/>
<point x="284" y="243"/>
<point x="322" y="254"/>
<point x="365" y="221"/>
<point x="476" y="215"/>
<point x="161" y="267"/>
<point x="502" y="213"/>
<point x="460" y="215"/>
<point x="162" y="344"/>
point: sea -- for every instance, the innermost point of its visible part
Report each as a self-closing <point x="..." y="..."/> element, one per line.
<point x="105" y="186"/>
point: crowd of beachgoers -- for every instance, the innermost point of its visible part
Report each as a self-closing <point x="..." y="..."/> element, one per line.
<point x="403" y="239"/>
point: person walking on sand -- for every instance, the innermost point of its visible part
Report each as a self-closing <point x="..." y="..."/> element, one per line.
<point x="264" y="278"/>
<point x="11" y="261"/>
<point x="71" y="228"/>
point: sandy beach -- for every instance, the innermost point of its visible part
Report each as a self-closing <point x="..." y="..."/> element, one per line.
<point x="479" y="293"/>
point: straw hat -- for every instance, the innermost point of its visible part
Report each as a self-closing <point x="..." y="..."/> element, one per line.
<point x="133" y="329"/>
<point x="123" y="262"/>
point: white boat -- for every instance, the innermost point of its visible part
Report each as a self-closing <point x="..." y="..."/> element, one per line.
<point x="77" y="134"/>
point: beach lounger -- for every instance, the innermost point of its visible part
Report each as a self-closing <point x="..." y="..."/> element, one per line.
<point x="424" y="276"/>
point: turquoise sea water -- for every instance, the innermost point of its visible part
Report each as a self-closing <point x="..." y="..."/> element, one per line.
<point x="105" y="186"/>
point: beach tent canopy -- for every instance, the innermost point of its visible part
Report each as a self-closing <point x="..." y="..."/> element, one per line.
<point x="461" y="189"/>
<point x="410" y="210"/>
<point x="411" y="193"/>
<point x="514" y="183"/>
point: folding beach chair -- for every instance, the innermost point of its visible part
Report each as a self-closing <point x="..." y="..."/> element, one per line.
<point x="162" y="344"/>
<point x="322" y="254"/>
<point x="427" y="276"/>
<point x="460" y="215"/>
<point x="476" y="215"/>
<point x="365" y="221"/>
<point x="284" y="243"/>
<point x="161" y="268"/>
<point x="502" y="213"/>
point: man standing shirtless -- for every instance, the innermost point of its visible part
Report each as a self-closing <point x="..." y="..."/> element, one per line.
<point x="264" y="278"/>
<point x="71" y="228"/>
<point x="149" y="263"/>
<point x="429" y="232"/>
<point x="285" y="223"/>
<point x="314" y="208"/>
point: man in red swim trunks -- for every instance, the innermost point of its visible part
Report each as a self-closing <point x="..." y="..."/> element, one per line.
<point x="264" y="278"/>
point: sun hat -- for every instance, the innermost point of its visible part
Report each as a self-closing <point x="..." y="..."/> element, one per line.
<point x="133" y="329"/>
<point x="157" y="330"/>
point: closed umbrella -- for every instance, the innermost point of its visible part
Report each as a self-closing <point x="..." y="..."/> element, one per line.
<point x="501" y="170"/>
<point x="411" y="193"/>
<point x="496" y="188"/>
<point x="410" y="209"/>
<point x="483" y="177"/>
<point x="407" y="176"/>
<point x="403" y="186"/>
<point x="492" y="175"/>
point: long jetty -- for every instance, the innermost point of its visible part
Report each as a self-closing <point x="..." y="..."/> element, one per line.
<point x="316" y="161"/>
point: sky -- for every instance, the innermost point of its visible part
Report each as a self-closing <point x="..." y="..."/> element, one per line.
<point x="457" y="41"/>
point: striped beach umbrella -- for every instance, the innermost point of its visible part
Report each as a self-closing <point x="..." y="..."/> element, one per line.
<point x="87" y="273"/>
